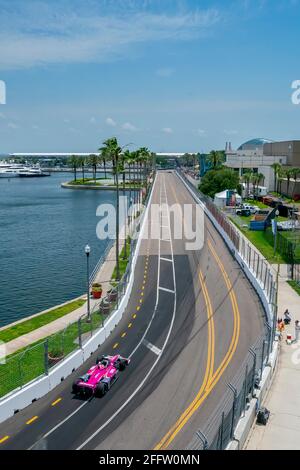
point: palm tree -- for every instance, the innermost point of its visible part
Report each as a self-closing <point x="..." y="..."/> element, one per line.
<point x="215" y="159"/>
<point x="93" y="160"/>
<point x="104" y="158"/>
<point x="81" y="163"/>
<point x="295" y="173"/>
<point x="246" y="178"/>
<point x="280" y="176"/>
<point x="112" y="149"/>
<point x="74" y="163"/>
<point x="144" y="156"/>
<point x="289" y="175"/>
<point x="276" y="167"/>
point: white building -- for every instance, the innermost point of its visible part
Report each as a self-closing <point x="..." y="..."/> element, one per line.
<point x="250" y="156"/>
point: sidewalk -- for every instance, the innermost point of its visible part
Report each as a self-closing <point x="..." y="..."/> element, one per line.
<point x="103" y="276"/>
<point x="283" y="429"/>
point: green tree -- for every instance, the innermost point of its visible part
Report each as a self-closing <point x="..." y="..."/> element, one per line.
<point x="215" y="181"/>
<point x="247" y="178"/>
<point x="112" y="149"/>
<point x="74" y="163"/>
<point x="295" y="173"/>
<point x="276" y="167"/>
<point x="215" y="158"/>
<point x="93" y="160"/>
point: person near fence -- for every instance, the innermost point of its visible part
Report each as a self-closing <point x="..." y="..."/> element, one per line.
<point x="297" y="331"/>
<point x="287" y="317"/>
<point x="280" y="327"/>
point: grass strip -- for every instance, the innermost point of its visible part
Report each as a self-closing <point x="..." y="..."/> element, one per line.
<point x="38" y="321"/>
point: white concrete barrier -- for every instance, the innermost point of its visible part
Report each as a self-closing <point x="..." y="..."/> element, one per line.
<point x="22" y="398"/>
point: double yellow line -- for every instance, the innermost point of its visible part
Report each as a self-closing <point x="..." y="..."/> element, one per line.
<point x="210" y="378"/>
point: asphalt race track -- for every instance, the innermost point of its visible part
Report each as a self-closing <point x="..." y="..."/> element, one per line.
<point x="190" y="321"/>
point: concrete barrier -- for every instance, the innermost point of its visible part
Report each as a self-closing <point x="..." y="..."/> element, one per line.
<point x="22" y="398"/>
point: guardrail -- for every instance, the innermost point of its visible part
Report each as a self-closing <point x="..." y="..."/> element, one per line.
<point x="220" y="430"/>
<point x="30" y="374"/>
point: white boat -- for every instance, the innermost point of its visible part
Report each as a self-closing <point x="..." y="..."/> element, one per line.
<point x="31" y="172"/>
<point x="8" y="170"/>
<point x="11" y="170"/>
<point x="8" y="173"/>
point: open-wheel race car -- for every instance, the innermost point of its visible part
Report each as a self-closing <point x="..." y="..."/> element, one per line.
<point x="98" y="380"/>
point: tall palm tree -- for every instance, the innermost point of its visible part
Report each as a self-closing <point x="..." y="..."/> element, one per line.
<point x="289" y="175"/>
<point x="276" y="167"/>
<point x="215" y="159"/>
<point x="280" y="176"/>
<point x="74" y="163"/>
<point x="246" y="178"/>
<point x="295" y="173"/>
<point x="144" y="156"/>
<point x="81" y="163"/>
<point x="113" y="150"/>
<point x="93" y="160"/>
<point x="104" y="157"/>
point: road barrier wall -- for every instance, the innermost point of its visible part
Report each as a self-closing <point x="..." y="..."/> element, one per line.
<point x="232" y="420"/>
<point x="27" y="394"/>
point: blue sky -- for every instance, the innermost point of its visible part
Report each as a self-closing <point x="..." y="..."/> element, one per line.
<point x="184" y="75"/>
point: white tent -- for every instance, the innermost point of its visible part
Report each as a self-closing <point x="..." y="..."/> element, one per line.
<point x="224" y="198"/>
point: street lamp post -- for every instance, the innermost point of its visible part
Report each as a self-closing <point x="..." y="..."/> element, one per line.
<point x="275" y="231"/>
<point x="87" y="252"/>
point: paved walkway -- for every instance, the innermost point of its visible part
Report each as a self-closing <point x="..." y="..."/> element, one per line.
<point x="283" y="429"/>
<point x="103" y="277"/>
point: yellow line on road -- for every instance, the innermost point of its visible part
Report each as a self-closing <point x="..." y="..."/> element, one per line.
<point x="30" y="421"/>
<point x="138" y="308"/>
<point x="130" y="325"/>
<point x="4" y="439"/>
<point x="115" y="345"/>
<point x="134" y="315"/>
<point x="123" y="334"/>
<point x="208" y="372"/>
<point x="56" y="402"/>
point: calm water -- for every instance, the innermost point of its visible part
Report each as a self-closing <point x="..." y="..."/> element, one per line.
<point x="43" y="232"/>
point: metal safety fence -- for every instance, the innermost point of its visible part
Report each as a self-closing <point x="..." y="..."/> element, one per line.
<point x="31" y="363"/>
<point x="220" y="428"/>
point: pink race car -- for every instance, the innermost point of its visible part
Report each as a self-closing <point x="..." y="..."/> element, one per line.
<point x="98" y="380"/>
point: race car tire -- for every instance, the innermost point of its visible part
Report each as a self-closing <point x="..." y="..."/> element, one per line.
<point x="101" y="390"/>
<point x="75" y="388"/>
<point x="121" y="364"/>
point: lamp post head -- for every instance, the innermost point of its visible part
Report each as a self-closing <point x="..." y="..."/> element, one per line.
<point x="87" y="250"/>
<point x="277" y="213"/>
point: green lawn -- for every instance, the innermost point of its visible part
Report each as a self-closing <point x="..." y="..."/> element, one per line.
<point x="259" y="204"/>
<point x="261" y="242"/>
<point x="295" y="286"/>
<point x="29" y="363"/>
<point x="27" y="326"/>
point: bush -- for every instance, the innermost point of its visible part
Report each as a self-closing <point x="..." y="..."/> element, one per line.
<point x="218" y="180"/>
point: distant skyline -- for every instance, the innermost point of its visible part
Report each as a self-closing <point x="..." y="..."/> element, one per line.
<point x="173" y="75"/>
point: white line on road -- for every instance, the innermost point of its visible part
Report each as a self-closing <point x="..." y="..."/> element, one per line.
<point x="167" y="290"/>
<point x="152" y="348"/>
<point x="165" y="259"/>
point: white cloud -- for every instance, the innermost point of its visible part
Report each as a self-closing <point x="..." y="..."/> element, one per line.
<point x="165" y="72"/>
<point x="110" y="122"/>
<point x="12" y="125"/>
<point x="35" y="127"/>
<point x="2" y="116"/>
<point x="201" y="132"/>
<point x="93" y="120"/>
<point x="129" y="127"/>
<point x="37" y="33"/>
<point x="67" y="121"/>
<point x="167" y="130"/>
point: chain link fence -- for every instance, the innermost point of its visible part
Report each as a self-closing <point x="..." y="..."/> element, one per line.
<point x="220" y="430"/>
